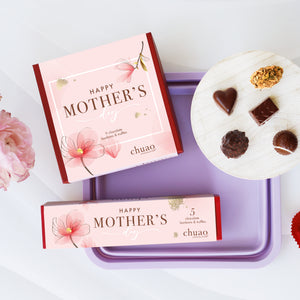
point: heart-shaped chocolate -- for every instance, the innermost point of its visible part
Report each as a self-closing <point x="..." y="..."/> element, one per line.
<point x="225" y="99"/>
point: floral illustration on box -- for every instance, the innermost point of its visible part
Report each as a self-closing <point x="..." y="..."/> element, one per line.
<point x="70" y="228"/>
<point x="129" y="68"/>
<point x="88" y="242"/>
<point x="16" y="154"/>
<point x="81" y="149"/>
<point x="112" y="148"/>
<point x="175" y="202"/>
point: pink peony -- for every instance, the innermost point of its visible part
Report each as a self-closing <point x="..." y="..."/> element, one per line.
<point x="16" y="153"/>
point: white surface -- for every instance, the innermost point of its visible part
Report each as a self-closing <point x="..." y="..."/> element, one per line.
<point x="210" y="123"/>
<point x="191" y="35"/>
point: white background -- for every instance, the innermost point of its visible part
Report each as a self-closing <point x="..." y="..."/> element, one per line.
<point x="191" y="35"/>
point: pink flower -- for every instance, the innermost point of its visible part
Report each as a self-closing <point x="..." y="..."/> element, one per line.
<point x="81" y="148"/>
<point x="4" y="178"/>
<point x="88" y="243"/>
<point x="128" y="69"/>
<point x="69" y="228"/>
<point x="16" y="153"/>
<point x="113" y="148"/>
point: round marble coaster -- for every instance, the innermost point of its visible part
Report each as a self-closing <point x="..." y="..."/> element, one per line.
<point x="210" y="123"/>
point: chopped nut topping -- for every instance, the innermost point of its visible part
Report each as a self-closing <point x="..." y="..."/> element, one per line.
<point x="266" y="77"/>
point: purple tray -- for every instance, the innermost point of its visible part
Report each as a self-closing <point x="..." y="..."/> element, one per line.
<point x="250" y="208"/>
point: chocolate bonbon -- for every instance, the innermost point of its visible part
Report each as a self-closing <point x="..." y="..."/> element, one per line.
<point x="266" y="77"/>
<point x="225" y="99"/>
<point x="285" y="142"/>
<point x="264" y="111"/>
<point x="234" y="144"/>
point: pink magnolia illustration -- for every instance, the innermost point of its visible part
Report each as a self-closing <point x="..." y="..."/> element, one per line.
<point x="16" y="154"/>
<point x="113" y="148"/>
<point x="81" y="148"/>
<point x="128" y="68"/>
<point x="70" y="228"/>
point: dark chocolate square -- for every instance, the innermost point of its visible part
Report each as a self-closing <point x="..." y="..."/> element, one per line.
<point x="263" y="112"/>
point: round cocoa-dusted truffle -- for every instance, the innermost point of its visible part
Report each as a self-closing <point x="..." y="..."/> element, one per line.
<point x="285" y="142"/>
<point x="234" y="144"/>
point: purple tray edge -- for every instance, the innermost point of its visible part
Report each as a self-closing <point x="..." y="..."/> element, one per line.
<point x="260" y="259"/>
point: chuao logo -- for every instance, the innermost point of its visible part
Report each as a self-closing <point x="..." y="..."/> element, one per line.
<point x="143" y="149"/>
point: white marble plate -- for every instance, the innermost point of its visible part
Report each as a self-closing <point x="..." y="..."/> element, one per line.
<point x="210" y="123"/>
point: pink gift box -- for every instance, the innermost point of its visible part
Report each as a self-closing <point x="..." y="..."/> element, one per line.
<point x="161" y="220"/>
<point x="108" y="108"/>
